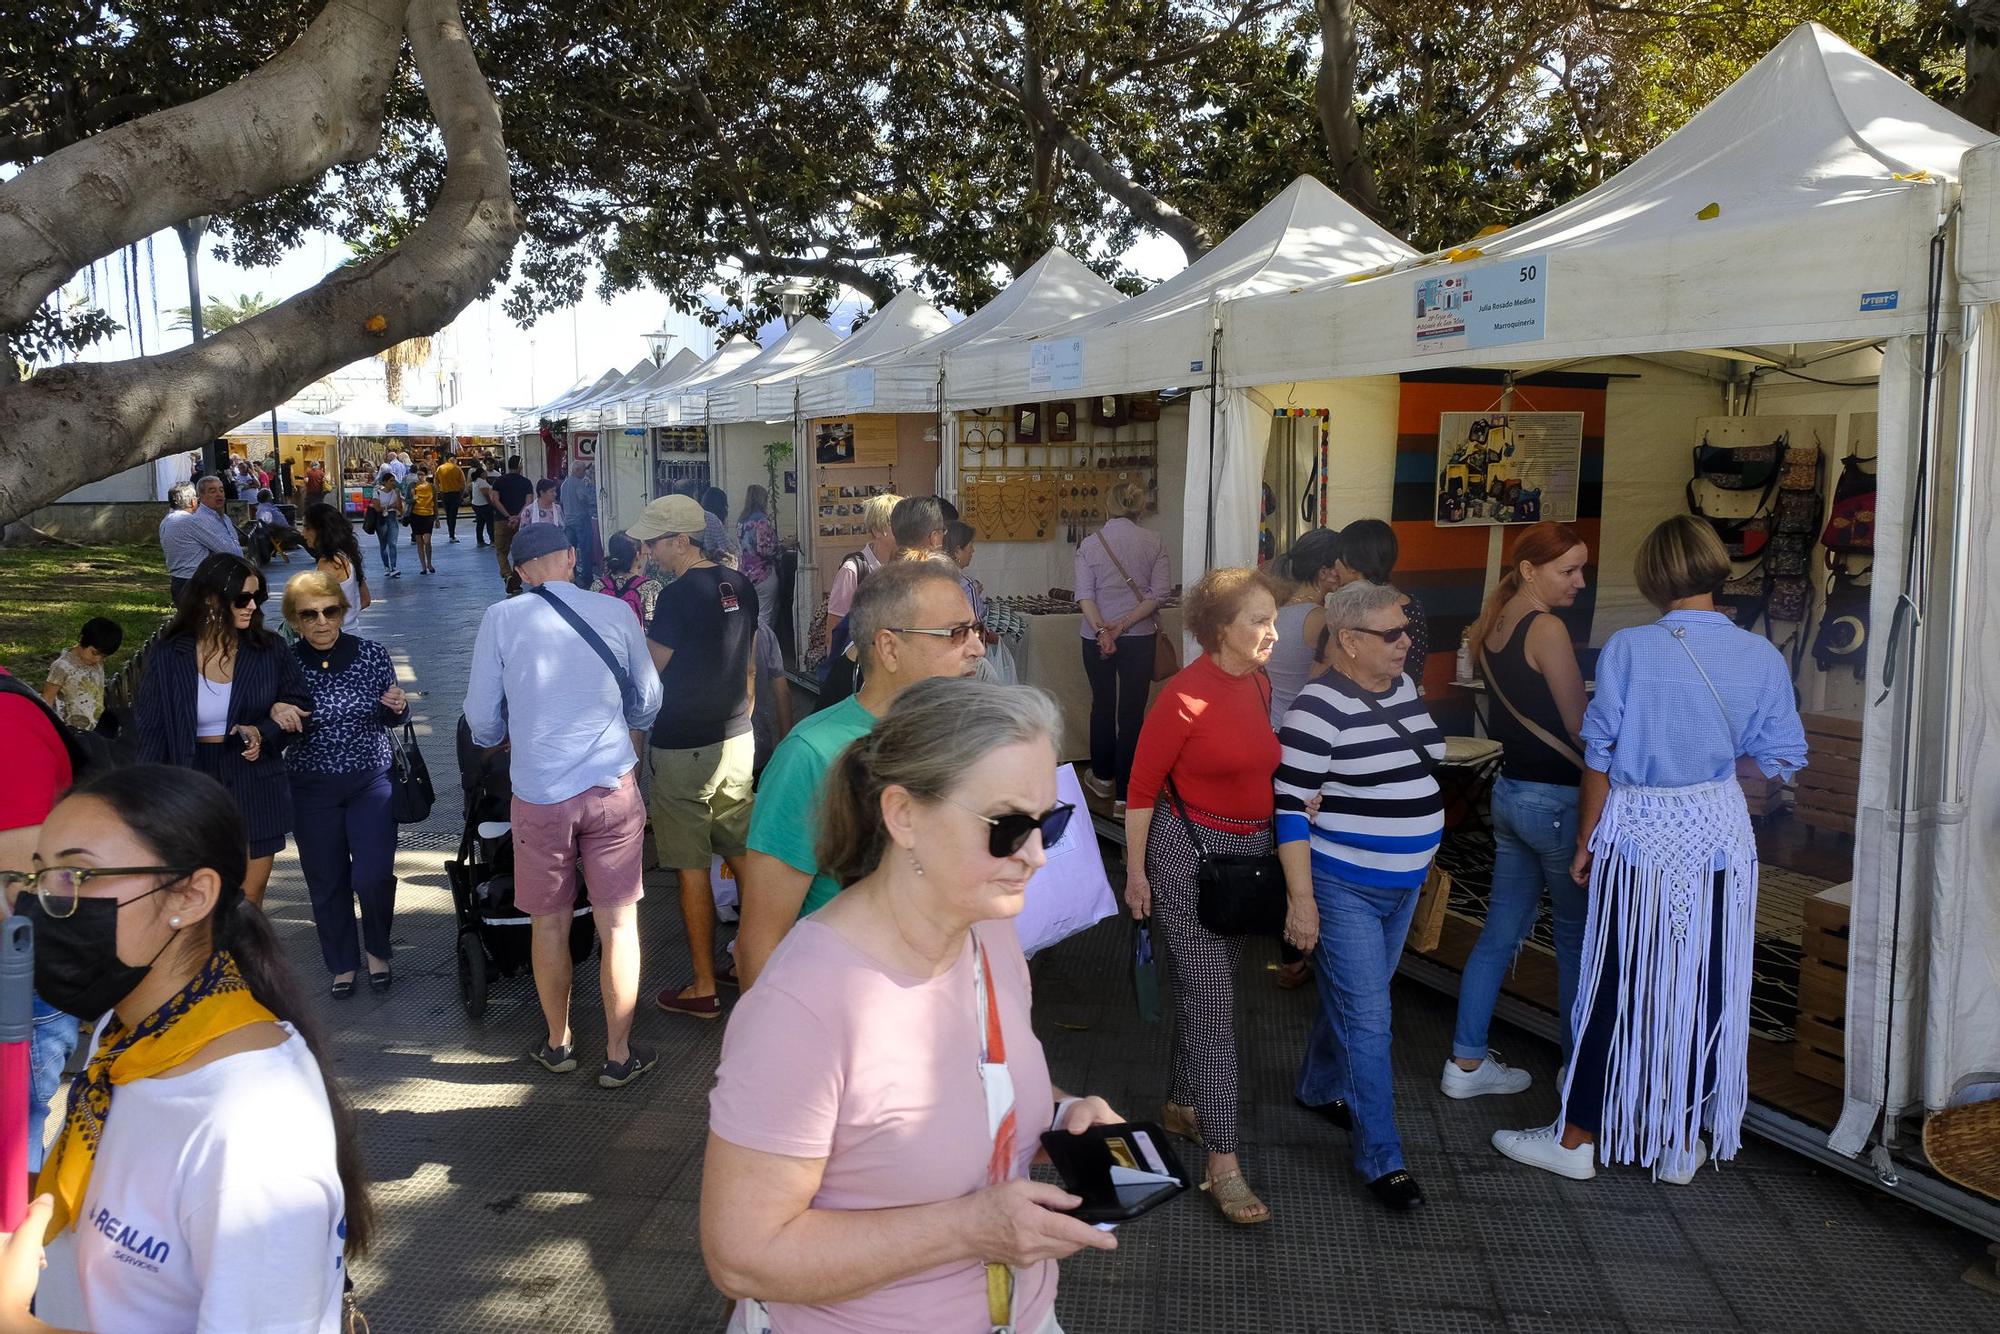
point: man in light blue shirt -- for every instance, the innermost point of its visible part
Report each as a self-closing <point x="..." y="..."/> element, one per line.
<point x="195" y="529"/>
<point x="543" y="683"/>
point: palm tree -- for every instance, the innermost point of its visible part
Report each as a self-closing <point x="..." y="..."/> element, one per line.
<point x="218" y="314"/>
<point x="406" y="355"/>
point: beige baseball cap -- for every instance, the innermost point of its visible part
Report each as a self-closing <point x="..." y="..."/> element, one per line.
<point x="669" y="515"/>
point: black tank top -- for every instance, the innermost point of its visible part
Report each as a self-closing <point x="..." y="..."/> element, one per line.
<point x="1526" y="759"/>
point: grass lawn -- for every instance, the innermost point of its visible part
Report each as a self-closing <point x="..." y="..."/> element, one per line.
<point x="48" y="592"/>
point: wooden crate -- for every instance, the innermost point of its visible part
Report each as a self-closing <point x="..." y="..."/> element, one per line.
<point x="1760" y="794"/>
<point x="1820" y="1048"/>
<point x="1828" y="787"/>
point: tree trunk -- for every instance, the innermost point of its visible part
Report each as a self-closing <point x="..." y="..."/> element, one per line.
<point x="1980" y="104"/>
<point x="77" y="423"/>
<point x="1333" y="98"/>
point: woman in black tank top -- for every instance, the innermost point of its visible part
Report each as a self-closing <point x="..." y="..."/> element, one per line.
<point x="1535" y="704"/>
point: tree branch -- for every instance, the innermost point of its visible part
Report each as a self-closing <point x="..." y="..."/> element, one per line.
<point x="1333" y="99"/>
<point x="876" y="289"/>
<point x="81" y="422"/>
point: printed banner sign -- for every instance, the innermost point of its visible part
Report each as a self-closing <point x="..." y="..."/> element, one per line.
<point x="1055" y="364"/>
<point x="1489" y="306"/>
<point x="1508" y="467"/>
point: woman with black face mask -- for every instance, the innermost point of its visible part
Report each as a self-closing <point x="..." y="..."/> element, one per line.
<point x="222" y="696"/>
<point x="206" y="1174"/>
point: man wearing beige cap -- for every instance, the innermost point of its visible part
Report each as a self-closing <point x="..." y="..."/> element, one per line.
<point x="703" y="638"/>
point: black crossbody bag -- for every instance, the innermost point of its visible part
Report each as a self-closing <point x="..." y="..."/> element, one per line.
<point x="626" y="689"/>
<point x="1235" y="894"/>
<point x="1430" y="765"/>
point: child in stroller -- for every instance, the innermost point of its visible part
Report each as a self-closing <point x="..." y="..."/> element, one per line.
<point x="493" y="937"/>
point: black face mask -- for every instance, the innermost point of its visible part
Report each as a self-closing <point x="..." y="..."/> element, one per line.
<point x="77" y="968"/>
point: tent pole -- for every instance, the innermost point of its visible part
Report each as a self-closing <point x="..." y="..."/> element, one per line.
<point x="1214" y="379"/>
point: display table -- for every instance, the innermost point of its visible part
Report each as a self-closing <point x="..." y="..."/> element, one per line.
<point x="1048" y="655"/>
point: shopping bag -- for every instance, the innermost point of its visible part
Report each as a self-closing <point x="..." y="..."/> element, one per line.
<point x="1145" y="972"/>
<point x="1427" y="924"/>
<point x="1070" y="892"/>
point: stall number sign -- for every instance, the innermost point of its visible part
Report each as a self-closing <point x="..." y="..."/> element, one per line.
<point x="1056" y="364"/>
<point x="1489" y="306"/>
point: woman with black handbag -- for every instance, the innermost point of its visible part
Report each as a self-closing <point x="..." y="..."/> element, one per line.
<point x="1358" y="740"/>
<point x="341" y="794"/>
<point x="1200" y="805"/>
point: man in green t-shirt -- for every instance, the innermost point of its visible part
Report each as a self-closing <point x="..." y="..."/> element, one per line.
<point x="911" y="622"/>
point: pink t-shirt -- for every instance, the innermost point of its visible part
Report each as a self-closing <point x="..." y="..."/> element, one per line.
<point x="833" y="1056"/>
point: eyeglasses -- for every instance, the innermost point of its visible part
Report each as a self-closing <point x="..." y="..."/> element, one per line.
<point x="57" y="886"/>
<point x="1006" y="833"/>
<point x="332" y="613"/>
<point x="955" y="633"/>
<point x="1388" y="636"/>
<point x="245" y="600"/>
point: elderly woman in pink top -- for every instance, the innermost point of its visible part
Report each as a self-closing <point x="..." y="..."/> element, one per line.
<point x="1122" y="577"/>
<point x="882" y="1094"/>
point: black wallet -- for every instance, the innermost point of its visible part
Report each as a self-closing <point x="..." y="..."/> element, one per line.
<point x="1118" y="1171"/>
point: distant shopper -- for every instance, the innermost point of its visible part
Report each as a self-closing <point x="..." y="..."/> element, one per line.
<point x="1368" y="551"/>
<point x="715" y="501"/>
<point x="908" y="619"/>
<point x="578" y="501"/>
<point x="278" y="536"/>
<point x="75" y="688"/>
<point x="1122" y="577"/>
<point x="221" y="695"/>
<point x="918" y="526"/>
<point x="450" y="483"/>
<point x="513" y="497"/>
<point x="757" y="535"/>
<point x="389" y="510"/>
<point x="837" y="672"/>
<point x="423" y="515"/>
<point x="330" y="537"/>
<point x="703" y="643"/>
<point x="627" y="578"/>
<point x="1311" y="569"/>
<point x="479" y="491"/>
<point x="196" y="527"/>
<point x="342" y="818"/>
<point x="958" y="543"/>
<point x="1663" y="839"/>
<point x="853" y="1178"/>
<point x="574" y="755"/>
<point x="314" y="490"/>
<point x="545" y="507"/>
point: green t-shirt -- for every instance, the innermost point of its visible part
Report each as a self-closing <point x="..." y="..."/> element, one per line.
<point x="784" y="823"/>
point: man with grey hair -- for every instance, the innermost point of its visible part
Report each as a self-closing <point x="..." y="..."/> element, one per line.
<point x="911" y="622"/>
<point x="578" y="497"/>
<point x="196" y="527"/>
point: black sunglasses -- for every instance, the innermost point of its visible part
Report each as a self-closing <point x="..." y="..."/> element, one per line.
<point x="1006" y="833"/>
<point x="246" y="599"/>
<point x="1389" y="636"/>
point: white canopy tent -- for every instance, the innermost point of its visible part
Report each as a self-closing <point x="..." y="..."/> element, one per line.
<point x="623" y="405"/>
<point x="471" y="419"/>
<point x="524" y="423"/>
<point x="1054" y="290"/>
<point x="1800" y="207"/>
<point x="668" y="406"/>
<point x="732" y="397"/>
<point x="291" y="420"/>
<point x="624" y="453"/>
<point x="377" y="416"/>
<point x="904" y="322"/>
<point x="582" y="412"/>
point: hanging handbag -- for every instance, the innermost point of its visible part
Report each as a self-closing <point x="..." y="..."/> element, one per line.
<point x="1743" y="536"/>
<point x="1427" y="921"/>
<point x="1790" y="600"/>
<point x="371" y="519"/>
<point x="1145" y="974"/>
<point x="1791" y="555"/>
<point x="1235" y="894"/>
<point x="1743" y="598"/>
<point x="411" y="794"/>
<point x="1798" y="512"/>
<point x="1166" y="653"/>
<point x="1850" y="528"/>
<point x="1748" y="468"/>
<point x="1842" y="638"/>
<point x="1801" y="470"/>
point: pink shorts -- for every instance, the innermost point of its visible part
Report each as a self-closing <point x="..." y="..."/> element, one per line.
<point x="604" y="827"/>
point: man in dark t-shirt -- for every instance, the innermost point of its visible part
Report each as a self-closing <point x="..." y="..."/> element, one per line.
<point x="512" y="493"/>
<point x="703" y="639"/>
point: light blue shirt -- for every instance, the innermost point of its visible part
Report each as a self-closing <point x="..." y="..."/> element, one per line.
<point x="1654" y="723"/>
<point x="537" y="683"/>
<point x="578" y="497"/>
<point x="189" y="537"/>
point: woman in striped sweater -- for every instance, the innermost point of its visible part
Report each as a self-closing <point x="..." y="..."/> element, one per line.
<point x="1358" y="739"/>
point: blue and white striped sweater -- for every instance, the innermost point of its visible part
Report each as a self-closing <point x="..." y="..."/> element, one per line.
<point x="1381" y="814"/>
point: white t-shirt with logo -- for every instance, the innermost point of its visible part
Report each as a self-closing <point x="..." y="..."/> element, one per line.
<point x="214" y="1205"/>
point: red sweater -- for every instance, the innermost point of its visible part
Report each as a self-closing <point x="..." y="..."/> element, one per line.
<point x="1212" y="732"/>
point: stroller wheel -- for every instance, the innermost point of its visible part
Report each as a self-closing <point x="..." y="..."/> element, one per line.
<point x="471" y="975"/>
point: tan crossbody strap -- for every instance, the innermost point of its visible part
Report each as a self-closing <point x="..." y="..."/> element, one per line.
<point x="1137" y="591"/>
<point x="1535" y="729"/>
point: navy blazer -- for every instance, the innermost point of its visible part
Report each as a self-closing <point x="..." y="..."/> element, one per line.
<point x="165" y="709"/>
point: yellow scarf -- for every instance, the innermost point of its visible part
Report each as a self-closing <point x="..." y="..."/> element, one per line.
<point x="215" y="1002"/>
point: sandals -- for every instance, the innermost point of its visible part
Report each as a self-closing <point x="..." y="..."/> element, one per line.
<point x="1180" y="1120"/>
<point x="1238" y="1203"/>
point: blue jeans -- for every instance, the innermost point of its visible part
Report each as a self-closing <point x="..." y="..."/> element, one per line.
<point x="386" y="528"/>
<point x="48" y="1052"/>
<point x="346" y="835"/>
<point x="1534" y="839"/>
<point x="583" y="536"/>
<point x="1361" y="931"/>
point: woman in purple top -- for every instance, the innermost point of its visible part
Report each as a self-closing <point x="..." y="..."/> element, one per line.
<point x="1121" y="580"/>
<point x="759" y="538"/>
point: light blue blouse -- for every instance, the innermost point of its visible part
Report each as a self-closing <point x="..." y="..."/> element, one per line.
<point x="1653" y="722"/>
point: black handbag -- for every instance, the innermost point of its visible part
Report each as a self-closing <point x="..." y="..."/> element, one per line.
<point x="1739" y="468"/>
<point x="1235" y="895"/>
<point x="411" y="794"/>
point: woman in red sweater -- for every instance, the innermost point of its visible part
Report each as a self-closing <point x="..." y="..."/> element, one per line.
<point x="1207" y="746"/>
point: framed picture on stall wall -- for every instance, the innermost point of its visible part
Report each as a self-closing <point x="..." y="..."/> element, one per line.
<point x="1145" y="407"/>
<point x="1062" y="422"/>
<point x="1108" y="410"/>
<point x="1028" y="424"/>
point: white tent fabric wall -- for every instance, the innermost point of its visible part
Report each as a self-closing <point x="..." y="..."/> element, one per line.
<point x="474" y="419"/>
<point x="619" y="406"/>
<point x="733" y="397"/>
<point x="1226" y="482"/>
<point x="664" y="407"/>
<point x="524" y="424"/>
<point x="905" y="321"/>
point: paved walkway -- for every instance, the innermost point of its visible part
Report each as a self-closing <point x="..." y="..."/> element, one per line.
<point x="516" y="1200"/>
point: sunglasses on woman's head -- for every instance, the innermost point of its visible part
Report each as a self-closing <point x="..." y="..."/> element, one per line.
<point x="1388" y="636"/>
<point x="955" y="633"/>
<point x="1007" y="833"/>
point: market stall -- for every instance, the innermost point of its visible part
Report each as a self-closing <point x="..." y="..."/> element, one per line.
<point x="679" y="442"/>
<point x="727" y="408"/>
<point x="624" y="449"/>
<point x="298" y="438"/>
<point x="1766" y="281"/>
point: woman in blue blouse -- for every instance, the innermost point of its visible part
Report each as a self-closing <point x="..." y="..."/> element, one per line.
<point x="1662" y="1018"/>
<point x="340" y="781"/>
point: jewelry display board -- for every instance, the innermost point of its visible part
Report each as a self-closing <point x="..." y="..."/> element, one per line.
<point x="1048" y="485"/>
<point x="838" y="507"/>
<point x="680" y="456"/>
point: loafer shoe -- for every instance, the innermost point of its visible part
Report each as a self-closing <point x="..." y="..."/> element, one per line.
<point x="694" y="1007"/>
<point x="1541" y="1148"/>
<point x="1397" y="1190"/>
<point x="1336" y="1111"/>
<point x="1492" y="1075"/>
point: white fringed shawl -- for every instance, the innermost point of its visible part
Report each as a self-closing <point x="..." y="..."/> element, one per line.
<point x="1657" y="852"/>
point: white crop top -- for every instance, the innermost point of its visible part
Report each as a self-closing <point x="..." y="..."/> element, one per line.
<point x="211" y="706"/>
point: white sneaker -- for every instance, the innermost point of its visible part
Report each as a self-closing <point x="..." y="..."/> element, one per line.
<point x="1492" y="1075"/>
<point x="1541" y="1148"/>
<point x="1684" y="1178"/>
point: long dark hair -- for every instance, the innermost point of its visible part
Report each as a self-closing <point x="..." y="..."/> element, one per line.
<point x="189" y="819"/>
<point x="333" y="535"/>
<point x="205" y="608"/>
<point x="1368" y="547"/>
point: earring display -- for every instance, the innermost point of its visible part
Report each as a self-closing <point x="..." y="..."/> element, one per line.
<point x="1025" y="490"/>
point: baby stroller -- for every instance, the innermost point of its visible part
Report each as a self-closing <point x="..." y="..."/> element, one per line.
<point x="493" y="937"/>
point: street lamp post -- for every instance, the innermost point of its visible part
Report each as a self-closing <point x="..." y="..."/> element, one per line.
<point x="658" y="343"/>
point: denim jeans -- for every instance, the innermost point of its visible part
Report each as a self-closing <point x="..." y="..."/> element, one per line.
<point x="1534" y="839"/>
<point x="583" y="536"/>
<point x="386" y="528"/>
<point x="1361" y="931"/>
<point x="48" y="1052"/>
